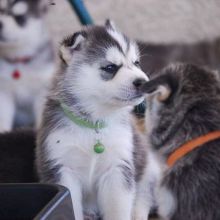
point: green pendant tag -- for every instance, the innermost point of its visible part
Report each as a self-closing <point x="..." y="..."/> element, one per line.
<point x="99" y="148"/>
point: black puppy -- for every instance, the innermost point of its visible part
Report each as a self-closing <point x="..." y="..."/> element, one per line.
<point x="184" y="113"/>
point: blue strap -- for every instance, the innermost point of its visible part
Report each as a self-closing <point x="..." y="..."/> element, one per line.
<point x="81" y="12"/>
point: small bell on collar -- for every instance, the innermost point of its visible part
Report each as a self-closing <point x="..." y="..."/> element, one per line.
<point x="99" y="147"/>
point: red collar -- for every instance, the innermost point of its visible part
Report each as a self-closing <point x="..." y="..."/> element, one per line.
<point x="27" y="59"/>
<point x="19" y="59"/>
<point x="190" y="146"/>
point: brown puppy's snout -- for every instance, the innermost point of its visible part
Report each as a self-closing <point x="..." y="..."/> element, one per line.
<point x="138" y="83"/>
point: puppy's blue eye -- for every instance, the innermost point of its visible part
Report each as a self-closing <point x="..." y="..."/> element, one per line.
<point x="137" y="63"/>
<point x="112" y="68"/>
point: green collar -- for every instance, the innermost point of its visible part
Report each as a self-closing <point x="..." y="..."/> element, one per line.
<point x="81" y="122"/>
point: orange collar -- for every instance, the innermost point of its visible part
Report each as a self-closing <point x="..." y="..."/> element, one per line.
<point x="191" y="145"/>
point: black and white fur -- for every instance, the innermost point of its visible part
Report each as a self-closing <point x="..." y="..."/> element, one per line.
<point x="24" y="46"/>
<point x="184" y="103"/>
<point x="99" y="183"/>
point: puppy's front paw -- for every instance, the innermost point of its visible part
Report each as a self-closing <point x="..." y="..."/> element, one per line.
<point x="140" y="213"/>
<point x="140" y="217"/>
<point x="90" y="216"/>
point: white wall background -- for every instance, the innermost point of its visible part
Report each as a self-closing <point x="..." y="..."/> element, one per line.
<point x="147" y="20"/>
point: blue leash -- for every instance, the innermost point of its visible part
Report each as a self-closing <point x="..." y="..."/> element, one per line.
<point x="81" y="12"/>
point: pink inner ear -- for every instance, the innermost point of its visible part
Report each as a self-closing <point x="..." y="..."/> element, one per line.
<point x="163" y="93"/>
<point x="77" y="43"/>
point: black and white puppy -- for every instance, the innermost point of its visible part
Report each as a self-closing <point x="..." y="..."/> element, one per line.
<point x="99" y="84"/>
<point x="184" y="104"/>
<point x="26" y="62"/>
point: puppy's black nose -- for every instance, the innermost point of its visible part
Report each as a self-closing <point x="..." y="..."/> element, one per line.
<point x="138" y="83"/>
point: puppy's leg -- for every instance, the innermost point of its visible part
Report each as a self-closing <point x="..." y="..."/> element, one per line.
<point x="91" y="217"/>
<point x="147" y="187"/>
<point x="7" y="112"/>
<point x="144" y="198"/>
<point x="166" y="203"/>
<point x="73" y="184"/>
<point x="116" y="194"/>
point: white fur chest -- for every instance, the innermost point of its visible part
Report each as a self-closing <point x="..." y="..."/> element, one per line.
<point x="72" y="147"/>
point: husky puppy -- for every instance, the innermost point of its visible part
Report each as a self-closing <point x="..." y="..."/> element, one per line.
<point x="86" y="141"/>
<point x="183" y="105"/>
<point x="26" y="61"/>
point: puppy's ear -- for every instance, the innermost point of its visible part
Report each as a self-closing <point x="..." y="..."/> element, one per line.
<point x="109" y="24"/>
<point x="161" y="87"/>
<point x="70" y="45"/>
